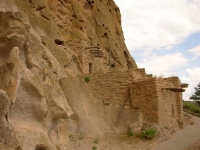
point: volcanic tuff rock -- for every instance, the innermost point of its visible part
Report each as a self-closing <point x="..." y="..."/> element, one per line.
<point x="43" y="95"/>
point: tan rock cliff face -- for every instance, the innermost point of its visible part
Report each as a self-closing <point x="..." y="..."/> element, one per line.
<point x="43" y="95"/>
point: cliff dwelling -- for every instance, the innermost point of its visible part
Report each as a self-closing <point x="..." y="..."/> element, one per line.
<point x="47" y="48"/>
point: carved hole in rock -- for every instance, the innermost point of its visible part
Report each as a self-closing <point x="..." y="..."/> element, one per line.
<point x="19" y="148"/>
<point x="109" y="10"/>
<point x="55" y="73"/>
<point x="88" y="5"/>
<point x="75" y="16"/>
<point x="30" y="1"/>
<point x="105" y="35"/>
<point x="40" y="8"/>
<point x="40" y="147"/>
<point x="98" y="9"/>
<point x="44" y="78"/>
<point x="92" y="2"/>
<point x="112" y="65"/>
<point x="59" y="42"/>
<point x="103" y="25"/>
<point x="6" y="116"/>
<point x="43" y="43"/>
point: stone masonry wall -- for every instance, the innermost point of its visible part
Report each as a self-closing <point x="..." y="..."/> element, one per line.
<point x="113" y="86"/>
<point x="167" y="105"/>
<point x="150" y="96"/>
<point x="157" y="104"/>
<point x="179" y="104"/>
<point x="84" y="56"/>
<point x="144" y="97"/>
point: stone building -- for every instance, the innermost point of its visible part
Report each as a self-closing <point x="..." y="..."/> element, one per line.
<point x="159" y="100"/>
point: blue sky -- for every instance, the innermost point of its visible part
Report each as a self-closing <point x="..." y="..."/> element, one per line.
<point x="164" y="37"/>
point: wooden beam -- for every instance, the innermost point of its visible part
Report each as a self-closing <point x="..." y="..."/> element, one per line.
<point x="184" y="85"/>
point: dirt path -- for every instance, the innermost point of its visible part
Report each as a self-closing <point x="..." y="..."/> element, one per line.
<point x="181" y="138"/>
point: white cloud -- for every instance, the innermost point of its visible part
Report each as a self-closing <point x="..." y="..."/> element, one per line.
<point x="195" y="51"/>
<point x="193" y="79"/>
<point x="158" y="23"/>
<point x="165" y="65"/>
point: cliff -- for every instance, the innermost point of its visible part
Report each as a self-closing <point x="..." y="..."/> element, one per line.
<point x="47" y="47"/>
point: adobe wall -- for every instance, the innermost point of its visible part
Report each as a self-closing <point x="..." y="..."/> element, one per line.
<point x="167" y="105"/>
<point x="113" y="86"/>
<point x="158" y="105"/>
<point x="179" y="104"/>
<point x="144" y="97"/>
<point x="150" y="96"/>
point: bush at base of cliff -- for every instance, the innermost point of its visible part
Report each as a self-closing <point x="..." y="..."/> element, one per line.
<point x="148" y="133"/>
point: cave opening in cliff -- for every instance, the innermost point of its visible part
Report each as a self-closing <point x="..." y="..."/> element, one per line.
<point x="59" y="42"/>
<point x="41" y="147"/>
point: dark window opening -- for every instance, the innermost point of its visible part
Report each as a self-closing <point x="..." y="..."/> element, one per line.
<point x="90" y="67"/>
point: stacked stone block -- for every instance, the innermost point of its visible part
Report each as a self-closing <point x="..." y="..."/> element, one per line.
<point x="153" y="97"/>
<point x="113" y="86"/>
<point x="83" y="54"/>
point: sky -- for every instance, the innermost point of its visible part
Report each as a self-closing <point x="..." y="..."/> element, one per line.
<point x="163" y="36"/>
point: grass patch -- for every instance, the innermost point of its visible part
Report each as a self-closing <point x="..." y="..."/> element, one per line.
<point x="130" y="133"/>
<point x="148" y="133"/>
<point x="94" y="148"/>
<point x="80" y="136"/>
<point x="192" y="107"/>
<point x="96" y="141"/>
<point x="72" y="138"/>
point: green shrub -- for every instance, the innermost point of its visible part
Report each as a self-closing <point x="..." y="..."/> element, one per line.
<point x="192" y="107"/>
<point x="81" y="136"/>
<point x="130" y="133"/>
<point x="87" y="78"/>
<point x="148" y="133"/>
<point x="94" y="147"/>
<point x="96" y="141"/>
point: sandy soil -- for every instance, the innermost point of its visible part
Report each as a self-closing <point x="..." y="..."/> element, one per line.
<point x="183" y="139"/>
<point x="111" y="142"/>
